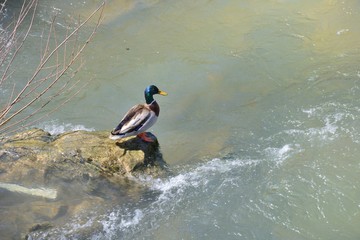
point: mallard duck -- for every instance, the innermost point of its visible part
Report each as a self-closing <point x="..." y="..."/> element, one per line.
<point x="140" y="117"/>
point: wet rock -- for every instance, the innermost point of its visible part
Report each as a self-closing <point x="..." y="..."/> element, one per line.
<point x="40" y="226"/>
<point x="48" y="211"/>
<point x="35" y="154"/>
<point x="52" y="175"/>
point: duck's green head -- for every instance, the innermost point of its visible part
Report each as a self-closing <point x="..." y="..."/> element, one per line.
<point x="150" y="91"/>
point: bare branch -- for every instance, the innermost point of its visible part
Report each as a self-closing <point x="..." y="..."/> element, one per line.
<point x="46" y="76"/>
<point x="23" y="13"/>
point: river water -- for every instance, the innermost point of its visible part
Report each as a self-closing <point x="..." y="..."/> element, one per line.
<point x="260" y="128"/>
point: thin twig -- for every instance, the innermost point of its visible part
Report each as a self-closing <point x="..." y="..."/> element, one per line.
<point x="42" y="64"/>
<point x="55" y="72"/>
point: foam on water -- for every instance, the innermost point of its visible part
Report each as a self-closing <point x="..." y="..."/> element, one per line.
<point x="281" y="154"/>
<point x="326" y="122"/>
<point x="165" y="197"/>
<point x="55" y="128"/>
<point x="171" y="193"/>
<point x="183" y="189"/>
<point x="198" y="177"/>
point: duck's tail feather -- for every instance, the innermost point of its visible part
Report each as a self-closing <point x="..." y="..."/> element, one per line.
<point x="118" y="127"/>
<point x="115" y="136"/>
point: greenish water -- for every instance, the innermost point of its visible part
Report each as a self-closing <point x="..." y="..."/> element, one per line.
<point x="261" y="126"/>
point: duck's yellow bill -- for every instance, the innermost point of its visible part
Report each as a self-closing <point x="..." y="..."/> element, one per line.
<point x="163" y="93"/>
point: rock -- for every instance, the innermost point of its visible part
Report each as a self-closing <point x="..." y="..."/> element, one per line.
<point x="40" y="226"/>
<point x="48" y="211"/>
<point x="46" y="179"/>
<point x="35" y="159"/>
<point x="37" y="154"/>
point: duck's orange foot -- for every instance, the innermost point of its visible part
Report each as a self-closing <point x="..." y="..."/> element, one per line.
<point x="145" y="138"/>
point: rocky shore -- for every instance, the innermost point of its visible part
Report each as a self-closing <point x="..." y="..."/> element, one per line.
<point x="53" y="177"/>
